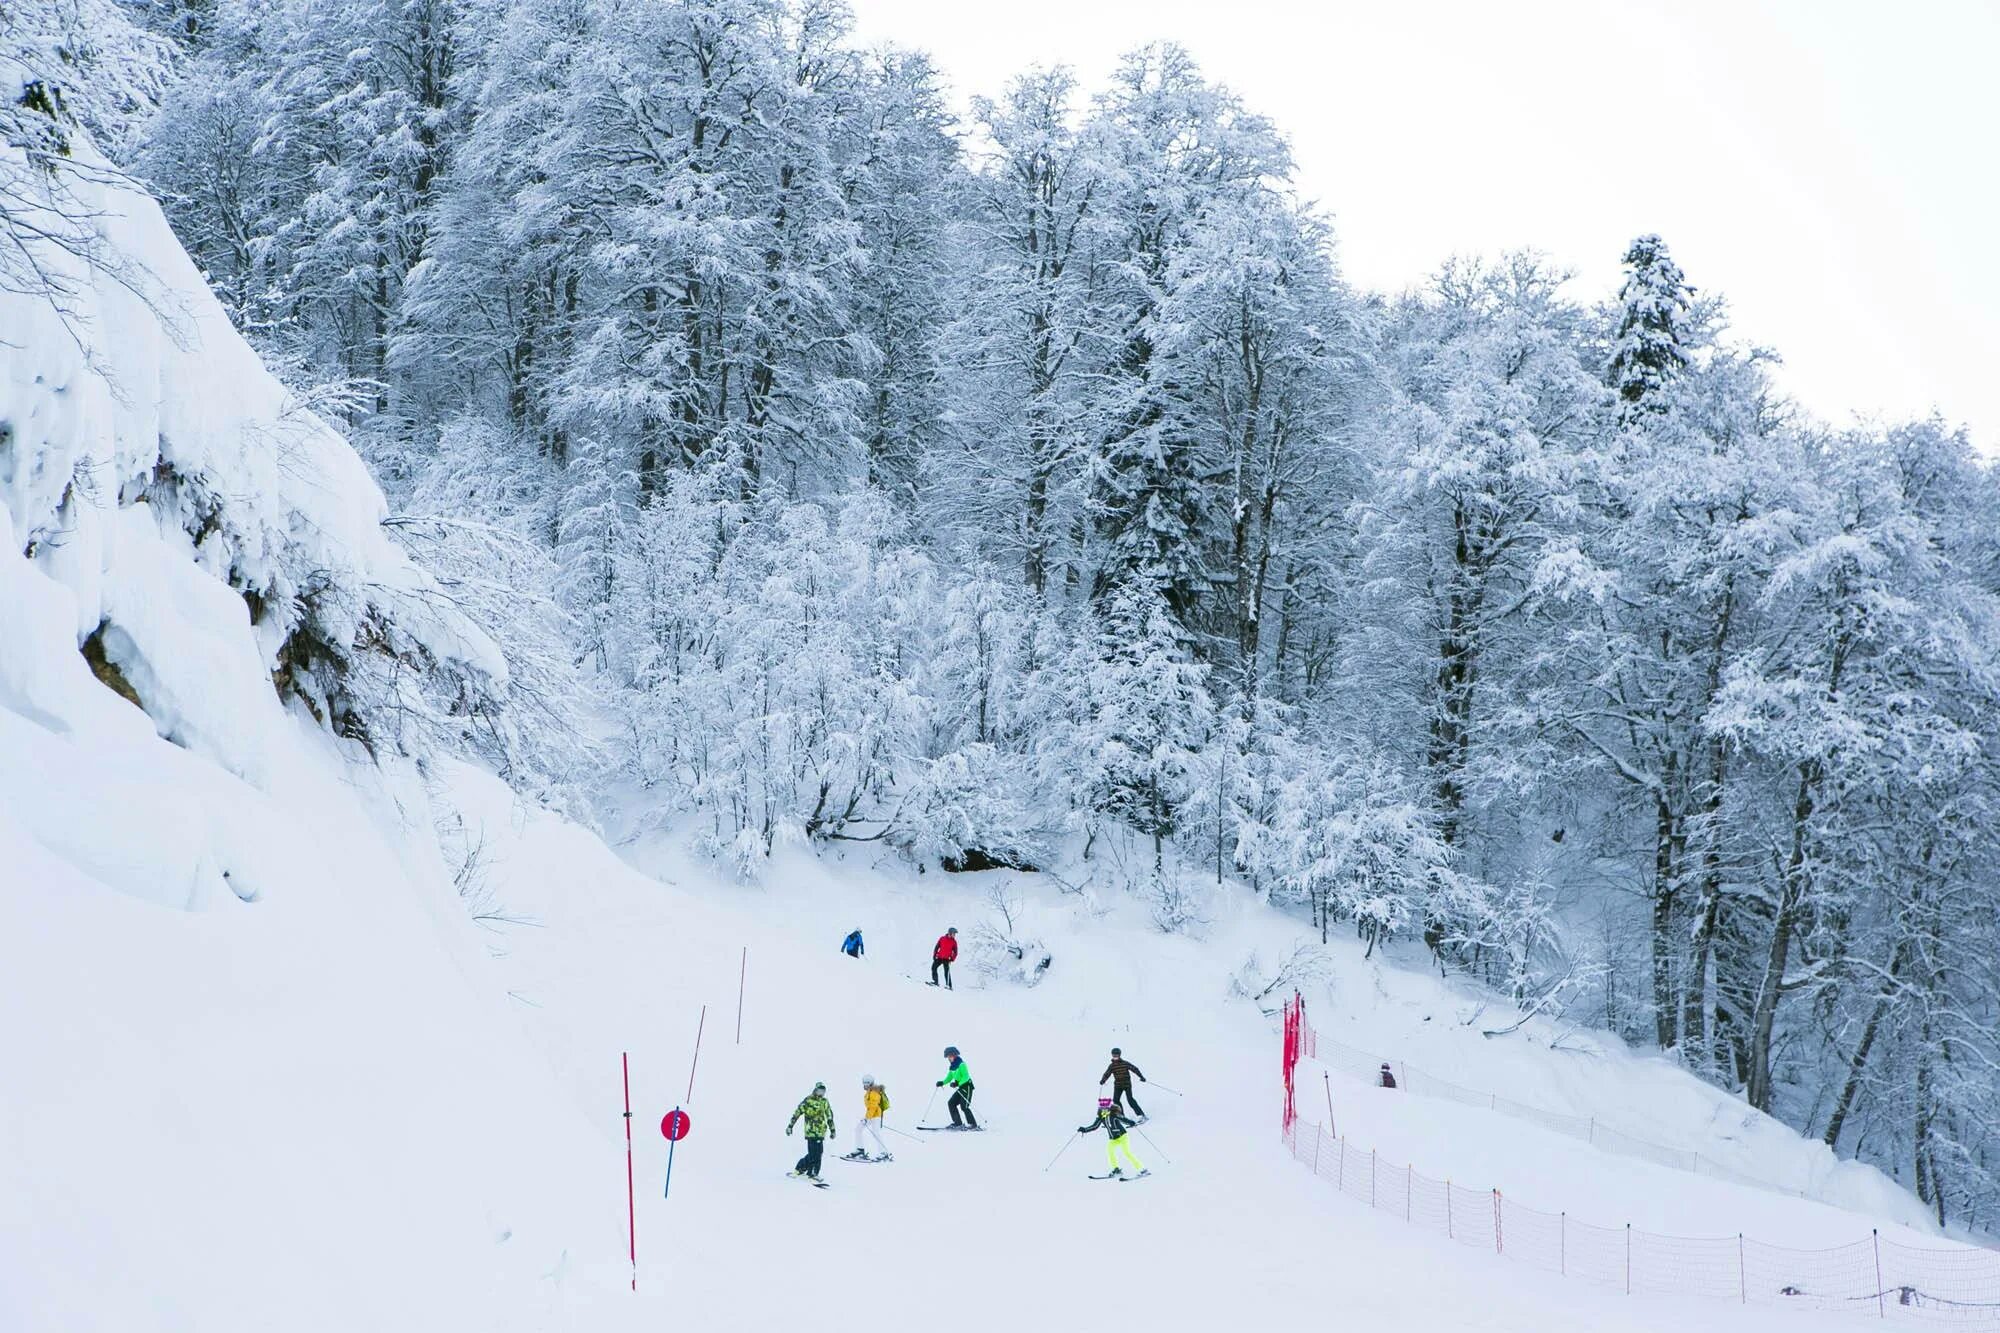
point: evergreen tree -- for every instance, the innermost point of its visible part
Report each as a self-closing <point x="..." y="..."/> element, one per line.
<point x="1653" y="309"/>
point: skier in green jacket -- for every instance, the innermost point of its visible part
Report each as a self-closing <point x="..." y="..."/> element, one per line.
<point x="959" y="1078"/>
<point x="817" y="1112"/>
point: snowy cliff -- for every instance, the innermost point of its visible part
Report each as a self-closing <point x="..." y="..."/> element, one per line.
<point x="229" y="940"/>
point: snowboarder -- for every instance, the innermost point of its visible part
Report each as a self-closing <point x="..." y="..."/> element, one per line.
<point x="1115" y="1126"/>
<point x="959" y="1077"/>
<point x="852" y="946"/>
<point x="874" y="1101"/>
<point x="1388" y="1079"/>
<point x="943" y="955"/>
<point x="1120" y="1072"/>
<point x="818" y="1115"/>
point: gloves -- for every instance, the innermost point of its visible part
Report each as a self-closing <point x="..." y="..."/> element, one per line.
<point x="940" y="1083"/>
<point x="1083" y="1129"/>
<point x="788" y="1131"/>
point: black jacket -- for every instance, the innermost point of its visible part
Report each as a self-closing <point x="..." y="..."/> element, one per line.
<point x="1122" y="1070"/>
<point x="1110" y="1121"/>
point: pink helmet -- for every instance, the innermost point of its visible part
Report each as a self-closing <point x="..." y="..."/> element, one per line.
<point x="1104" y="1103"/>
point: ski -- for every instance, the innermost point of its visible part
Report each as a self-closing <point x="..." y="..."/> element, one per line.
<point x="1141" y="1176"/>
<point x="948" y="1129"/>
<point x="850" y="1157"/>
<point x="814" y="1181"/>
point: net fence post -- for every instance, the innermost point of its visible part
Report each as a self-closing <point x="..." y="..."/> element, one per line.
<point x="1742" y="1283"/>
<point x="1409" y="1175"/>
<point x="1340" y="1172"/>
<point x="1881" y="1306"/>
<point x="1562" y="1244"/>
<point x="1498" y="1246"/>
<point x="1447" y="1208"/>
<point x="1371" y="1179"/>
<point x="1628" y="1258"/>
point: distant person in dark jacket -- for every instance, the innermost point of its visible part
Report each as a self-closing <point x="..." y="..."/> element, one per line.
<point x="1120" y="1073"/>
<point x="1388" y="1079"/>
<point x="851" y="946"/>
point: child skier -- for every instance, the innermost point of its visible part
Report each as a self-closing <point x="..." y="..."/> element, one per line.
<point x="874" y="1101"/>
<point x="818" y="1115"/>
<point x="959" y="1077"/>
<point x="1114" y="1125"/>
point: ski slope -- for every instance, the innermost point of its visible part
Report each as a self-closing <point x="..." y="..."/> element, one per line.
<point x="263" y="1070"/>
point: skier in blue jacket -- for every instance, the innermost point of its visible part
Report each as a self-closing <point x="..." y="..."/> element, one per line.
<point x="851" y="946"/>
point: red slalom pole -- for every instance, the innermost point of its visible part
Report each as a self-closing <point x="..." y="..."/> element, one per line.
<point x="697" y="1055"/>
<point x="742" y="971"/>
<point x="631" y="1209"/>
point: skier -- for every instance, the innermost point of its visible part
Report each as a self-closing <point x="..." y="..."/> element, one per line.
<point x="1388" y="1079"/>
<point x="874" y="1101"/>
<point x="818" y="1115"/>
<point x="1114" y="1125"/>
<point x="959" y="1076"/>
<point x="851" y="946"/>
<point x="1120" y="1072"/>
<point x="943" y="955"/>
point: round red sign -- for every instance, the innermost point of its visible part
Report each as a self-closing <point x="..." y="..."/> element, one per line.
<point x="675" y="1126"/>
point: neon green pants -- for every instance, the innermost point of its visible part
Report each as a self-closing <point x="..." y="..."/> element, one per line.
<point x="1112" y="1147"/>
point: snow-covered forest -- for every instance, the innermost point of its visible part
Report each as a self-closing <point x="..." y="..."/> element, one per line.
<point x="1034" y="488"/>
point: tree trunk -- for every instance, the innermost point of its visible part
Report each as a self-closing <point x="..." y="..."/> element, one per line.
<point x="1791" y="892"/>
<point x="1666" y="873"/>
<point x="1851" y="1087"/>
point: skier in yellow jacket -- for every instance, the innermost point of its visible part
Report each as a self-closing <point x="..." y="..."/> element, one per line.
<point x="874" y="1101"/>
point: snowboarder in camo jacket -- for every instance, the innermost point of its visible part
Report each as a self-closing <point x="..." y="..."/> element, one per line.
<point x="817" y="1112"/>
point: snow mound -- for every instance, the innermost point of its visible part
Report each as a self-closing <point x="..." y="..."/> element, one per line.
<point x="143" y="444"/>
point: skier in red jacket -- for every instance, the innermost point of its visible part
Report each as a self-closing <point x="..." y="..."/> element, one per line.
<point x="943" y="956"/>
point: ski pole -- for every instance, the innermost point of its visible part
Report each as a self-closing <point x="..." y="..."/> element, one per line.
<point x="925" y="1117"/>
<point x="901" y="1135"/>
<point x="1154" y="1146"/>
<point x="1065" y="1148"/>
<point x="1164" y="1088"/>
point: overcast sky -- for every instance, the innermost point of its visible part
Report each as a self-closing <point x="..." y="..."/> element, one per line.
<point x="1833" y="168"/>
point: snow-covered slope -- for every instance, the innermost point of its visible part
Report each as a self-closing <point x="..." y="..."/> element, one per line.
<point x="263" y="1070"/>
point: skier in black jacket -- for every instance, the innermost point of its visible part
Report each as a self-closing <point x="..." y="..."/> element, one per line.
<point x="1120" y="1073"/>
<point x="1115" y="1127"/>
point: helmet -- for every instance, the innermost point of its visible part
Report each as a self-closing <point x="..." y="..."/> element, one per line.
<point x="951" y="930"/>
<point x="1116" y="1051"/>
<point x="819" y="1087"/>
<point x="867" y="1080"/>
<point x="1104" y="1103"/>
<point x="951" y="1050"/>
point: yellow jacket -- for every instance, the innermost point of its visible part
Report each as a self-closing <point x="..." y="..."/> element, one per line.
<point x="871" y="1101"/>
